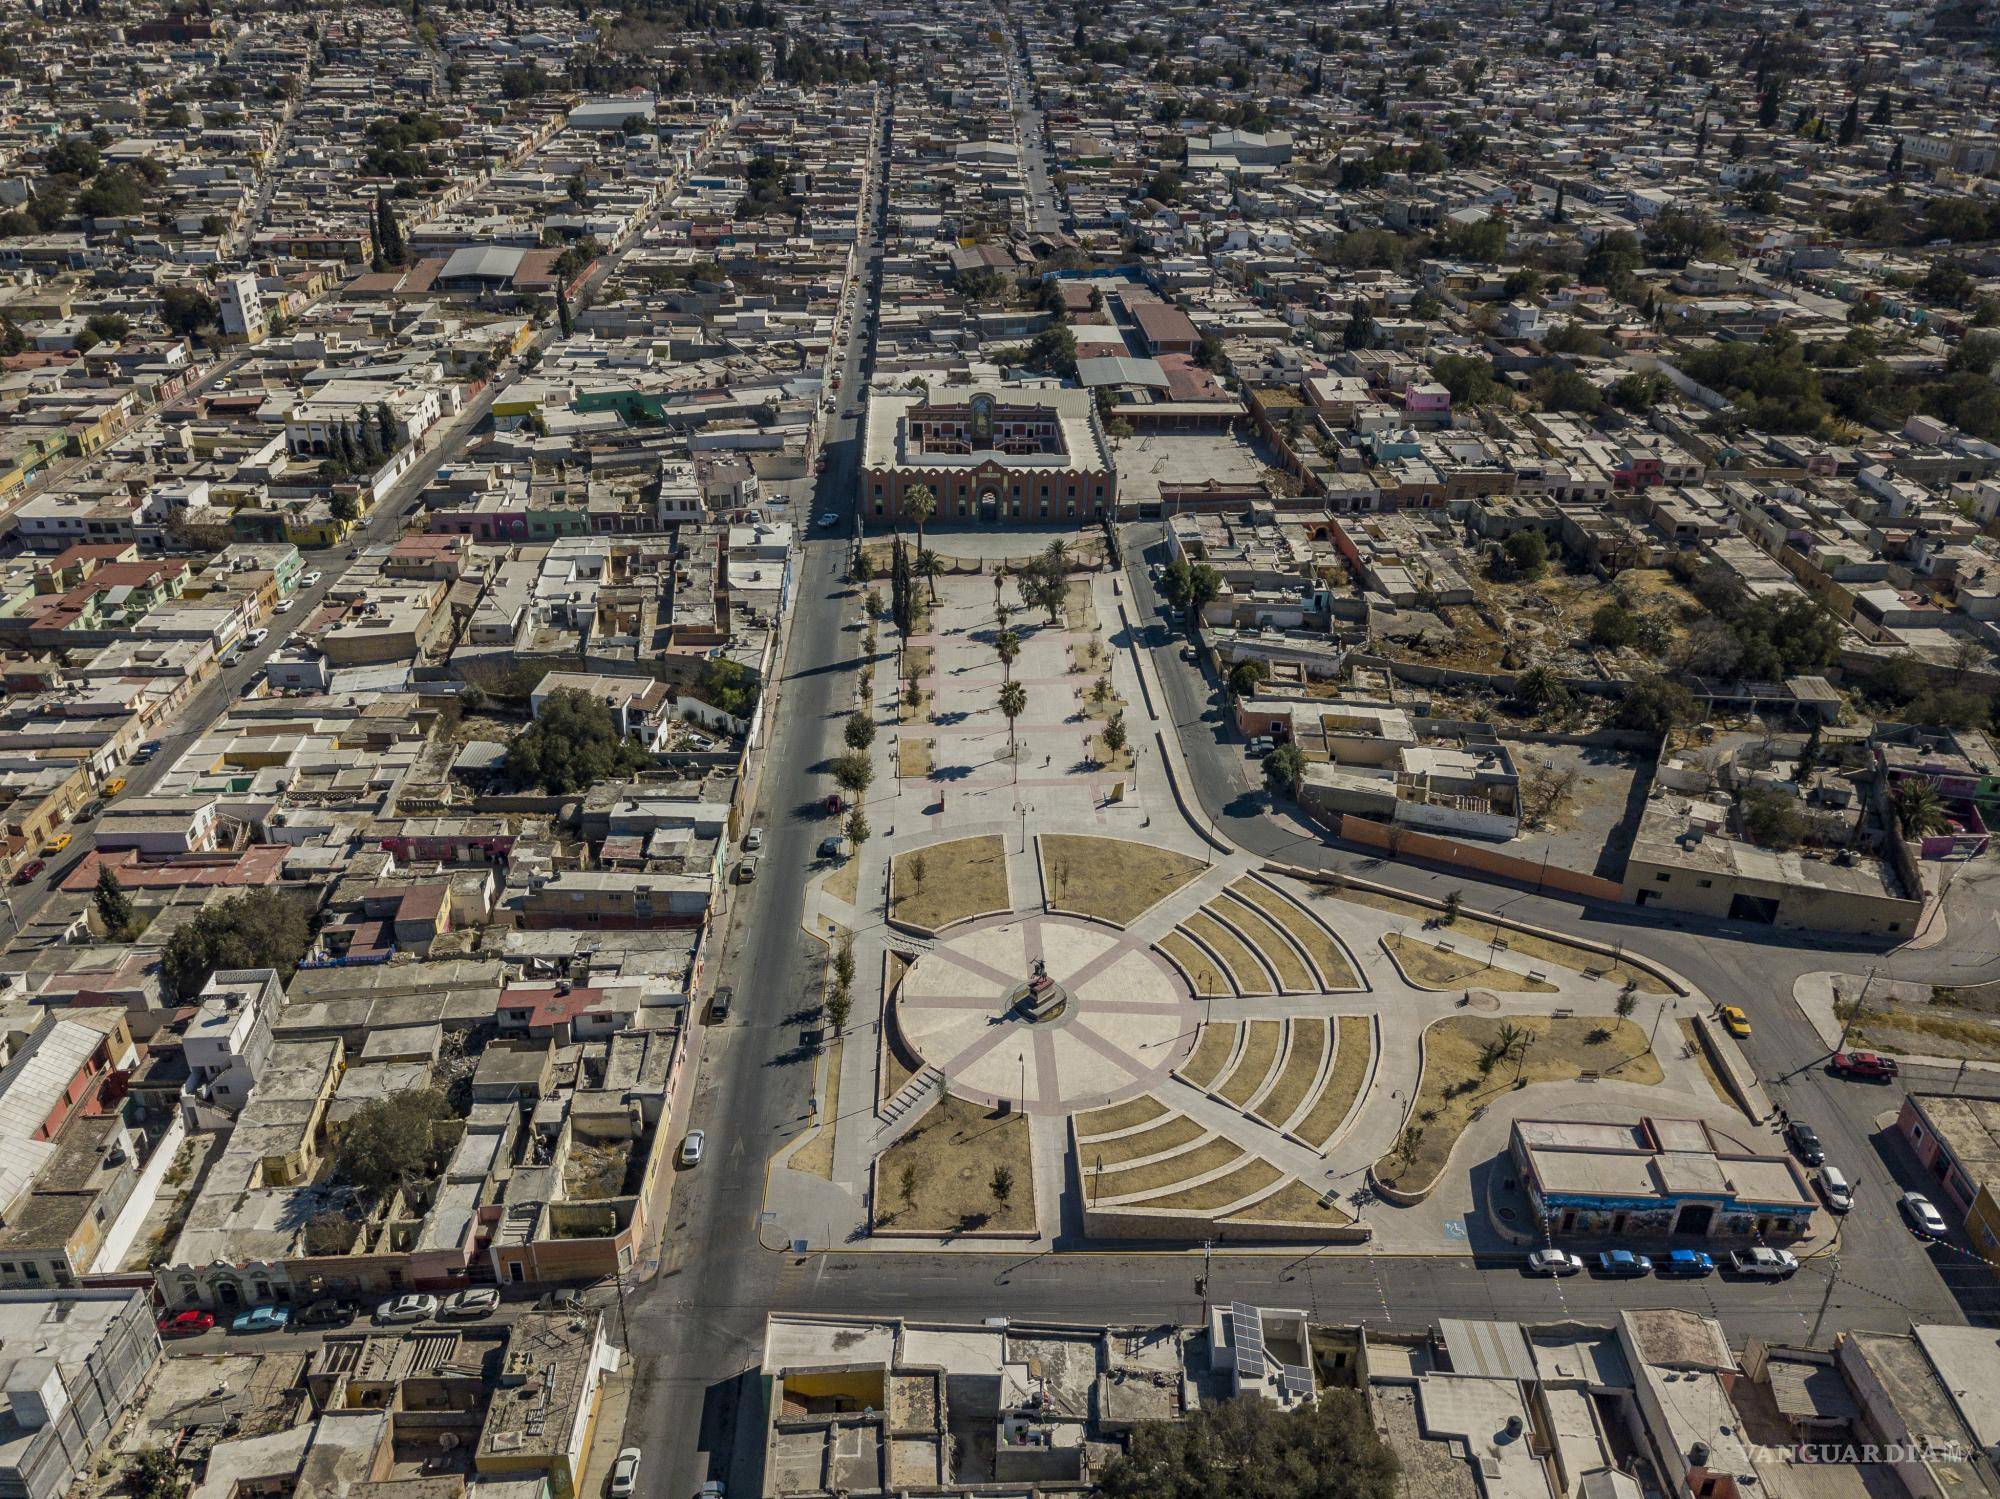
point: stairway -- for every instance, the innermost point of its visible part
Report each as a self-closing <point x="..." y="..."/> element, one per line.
<point x="911" y="1094"/>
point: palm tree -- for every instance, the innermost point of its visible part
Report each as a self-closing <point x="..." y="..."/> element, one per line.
<point x="1007" y="645"/>
<point x="930" y="568"/>
<point x="919" y="504"/>
<point x="1539" y="687"/>
<point x="1013" y="702"/>
<point x="1055" y="556"/>
<point x="1918" y="807"/>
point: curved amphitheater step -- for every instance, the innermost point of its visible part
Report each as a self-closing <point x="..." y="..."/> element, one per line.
<point x="1245" y="1132"/>
<point x="1328" y="955"/>
<point x="1249" y="970"/>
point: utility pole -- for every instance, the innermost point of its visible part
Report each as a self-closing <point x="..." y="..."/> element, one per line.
<point x="1848" y="1024"/>
<point x="1206" y="1246"/>
<point x="1825" y="1301"/>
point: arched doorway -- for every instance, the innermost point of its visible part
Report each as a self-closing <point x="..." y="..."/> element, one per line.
<point x="989" y="506"/>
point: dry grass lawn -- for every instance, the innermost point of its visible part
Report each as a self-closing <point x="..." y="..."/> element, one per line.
<point x="1169" y="1134"/>
<point x="1260" y="1050"/>
<point x="913" y="757"/>
<point x="1294" y="1202"/>
<point x="1079" y="613"/>
<point x="1527" y="944"/>
<point x="945" y="882"/>
<point x="1923" y="1030"/>
<point x="1353" y="1050"/>
<point x="1335" y="971"/>
<point x="1253" y="1176"/>
<point x="1234" y="952"/>
<point x="816" y="1155"/>
<point x="1211" y="1155"/>
<point x="1433" y="968"/>
<point x="1212" y="1050"/>
<point x="844" y="882"/>
<point x="1560" y="1049"/>
<point x="953" y="1151"/>
<point x="1203" y="972"/>
<point x="1113" y="879"/>
<point x="1114" y="1117"/>
<point x="1293" y="976"/>
<point x="1305" y="1048"/>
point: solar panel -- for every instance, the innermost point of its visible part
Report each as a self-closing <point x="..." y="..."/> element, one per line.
<point x="1248" y="1323"/>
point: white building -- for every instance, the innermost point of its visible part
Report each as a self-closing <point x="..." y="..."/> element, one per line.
<point x="242" y="307"/>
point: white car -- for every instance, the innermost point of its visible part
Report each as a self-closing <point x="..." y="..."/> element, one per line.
<point x="310" y="580"/>
<point x="691" y="1147"/>
<point x="480" y="1302"/>
<point x="1767" y="1264"/>
<point x="624" y="1473"/>
<point x="1554" y="1262"/>
<point x="257" y="638"/>
<point x="415" y="1307"/>
<point x="829" y="519"/>
<point x="753" y="840"/>
<point x="1924" y="1218"/>
<point x="284" y="606"/>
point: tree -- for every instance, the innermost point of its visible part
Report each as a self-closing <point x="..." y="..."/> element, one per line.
<point x="344" y="507"/>
<point x="930" y="567"/>
<point x="1613" y="626"/>
<point x="109" y="327"/>
<point x="1454" y="900"/>
<point x="1360" y="330"/>
<point x="1013" y="702"/>
<point x="573" y="744"/>
<point x="1527" y="553"/>
<point x="1539" y="687"/>
<point x="858" y="830"/>
<point x="1850" y="123"/>
<point x="1115" y="736"/>
<point x="1655" y="705"/>
<point x="388" y="233"/>
<point x="906" y="1183"/>
<point x="263" y="928"/>
<point x="839" y="1009"/>
<point x="155" y="1473"/>
<point x="1285" y="770"/>
<point x="186" y="310"/>
<point x="1249" y="1448"/>
<point x="1772" y="818"/>
<point x="1918" y="807"/>
<point x="563" y="319"/>
<point x="1007" y="646"/>
<point x="391" y="1140"/>
<point x="1001" y="1185"/>
<point x="385" y="423"/>
<point x="901" y="606"/>
<point x="853" y="773"/>
<point x="1245" y="676"/>
<point x="860" y="730"/>
<point x="114" y="906"/>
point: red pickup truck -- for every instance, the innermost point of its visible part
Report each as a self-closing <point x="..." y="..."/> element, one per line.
<point x="1863" y="1064"/>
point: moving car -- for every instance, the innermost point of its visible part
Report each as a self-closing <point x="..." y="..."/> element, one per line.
<point x="330" y="1312"/>
<point x="1923" y="1217"/>
<point x="691" y="1147"/>
<point x="1554" y="1262"/>
<point x="414" y="1307"/>
<point x="1735" y="1021"/>
<point x="828" y="518"/>
<point x="1804" y="1143"/>
<point x="233" y="659"/>
<point x="481" y="1301"/>
<point x="29" y="870"/>
<point x="56" y="845"/>
<point x="1768" y="1264"/>
<point x="284" y="606"/>
<point x="1690" y="1264"/>
<point x="186" y="1324"/>
<point x="115" y="785"/>
<point x="1836" y="1189"/>
<point x="311" y="580"/>
<point x="146" y="752"/>
<point x="1623" y="1264"/>
<point x="624" y="1473"/>
<point x="91" y="809"/>
<point x="262" y="1319"/>
<point x="257" y="637"/>
<point x="1866" y="1065"/>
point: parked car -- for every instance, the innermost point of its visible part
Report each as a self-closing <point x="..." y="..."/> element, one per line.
<point x="720" y="1001"/>
<point x="1554" y="1262"/>
<point x="56" y="845"/>
<point x="827" y="517"/>
<point x="1690" y="1264"/>
<point x="311" y="580"/>
<point x="833" y="847"/>
<point x="1735" y="1021"/>
<point x="92" y="809"/>
<point x="257" y="637"/>
<point x="186" y="1324"/>
<point x="480" y="1301"/>
<point x="1866" y="1065"/>
<point x="330" y="1312"/>
<point x="284" y="606"/>
<point x="232" y="660"/>
<point x="413" y="1307"/>
<point x="711" y="1489"/>
<point x="1261" y="746"/>
<point x="1804" y="1143"/>
<point x="1191" y="653"/>
<point x="1836" y="1189"/>
<point x="691" y="1147"/>
<point x="835" y="804"/>
<point x="624" y="1473"/>
<point x="115" y="785"/>
<point x="146" y="752"/>
<point x="1766" y="1264"/>
<point x="746" y="870"/>
<point x="1923" y="1217"/>
<point x="1623" y="1264"/>
<point x="753" y="840"/>
<point x="28" y="871"/>
<point x="262" y="1319"/>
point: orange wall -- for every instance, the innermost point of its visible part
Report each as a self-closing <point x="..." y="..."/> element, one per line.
<point x="1480" y="860"/>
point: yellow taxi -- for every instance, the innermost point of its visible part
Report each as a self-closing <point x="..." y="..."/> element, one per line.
<point x="55" y="845"/>
<point x="1735" y="1021"/>
<point x="115" y="785"/>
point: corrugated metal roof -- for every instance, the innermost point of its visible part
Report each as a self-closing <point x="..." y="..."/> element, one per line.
<point x="1120" y="369"/>
<point x="1493" y="1349"/>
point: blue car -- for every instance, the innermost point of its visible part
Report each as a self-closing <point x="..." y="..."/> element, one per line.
<point x="1691" y="1263"/>
<point x="1623" y="1264"/>
<point x="262" y="1319"/>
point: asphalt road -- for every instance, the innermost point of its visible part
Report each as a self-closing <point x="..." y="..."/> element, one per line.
<point x="1042" y="209"/>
